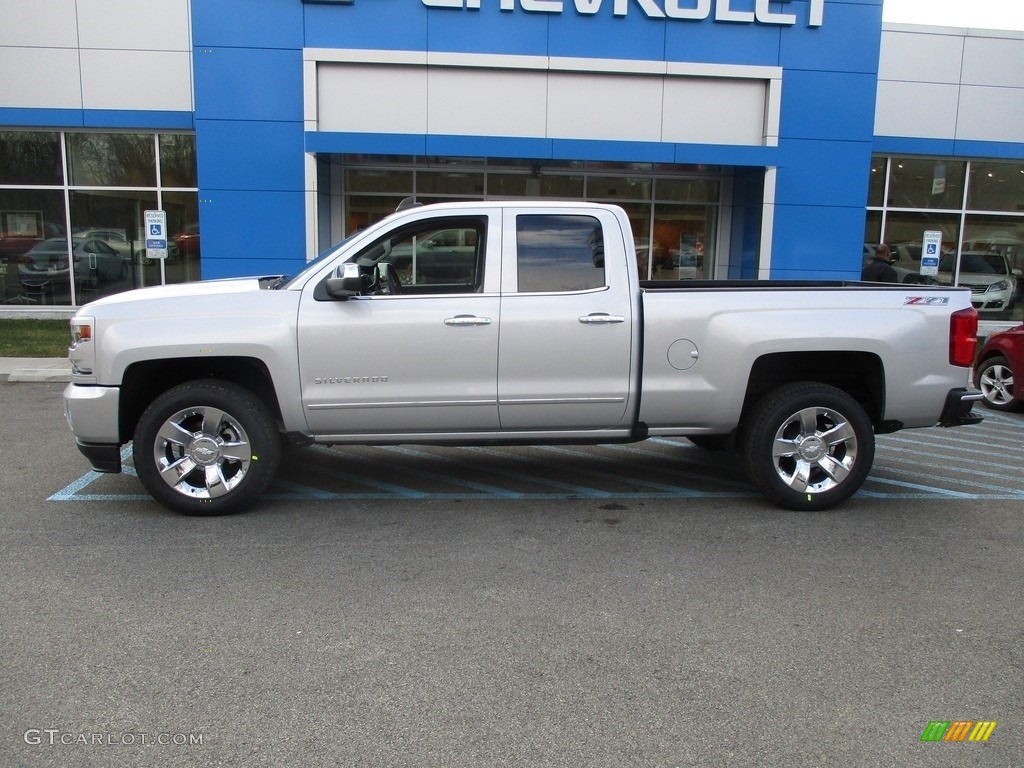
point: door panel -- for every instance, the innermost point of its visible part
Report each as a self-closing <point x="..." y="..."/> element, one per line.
<point x="399" y="364"/>
<point x="566" y="329"/>
<point x="420" y="354"/>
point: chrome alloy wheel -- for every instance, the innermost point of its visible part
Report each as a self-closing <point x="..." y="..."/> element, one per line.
<point x="996" y="384"/>
<point x="202" y="452"/>
<point x="814" y="450"/>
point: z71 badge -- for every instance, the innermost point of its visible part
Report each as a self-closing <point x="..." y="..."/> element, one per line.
<point x="931" y="301"/>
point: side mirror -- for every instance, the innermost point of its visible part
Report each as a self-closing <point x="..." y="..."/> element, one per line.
<point x="347" y="281"/>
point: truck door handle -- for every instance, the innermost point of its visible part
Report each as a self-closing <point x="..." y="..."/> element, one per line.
<point x="467" y="320"/>
<point x="600" y="318"/>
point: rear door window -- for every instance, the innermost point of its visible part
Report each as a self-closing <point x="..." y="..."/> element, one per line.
<point x="559" y="253"/>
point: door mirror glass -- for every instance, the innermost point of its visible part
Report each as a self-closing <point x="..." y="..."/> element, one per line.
<point x="351" y="280"/>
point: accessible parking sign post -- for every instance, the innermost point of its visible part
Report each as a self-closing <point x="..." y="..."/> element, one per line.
<point x="156" y="234"/>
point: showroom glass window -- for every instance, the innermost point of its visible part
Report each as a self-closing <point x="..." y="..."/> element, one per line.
<point x="674" y="210"/>
<point x="71" y="213"/>
<point x="977" y="205"/>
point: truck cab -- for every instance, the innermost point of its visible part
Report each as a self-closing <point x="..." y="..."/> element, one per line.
<point x="555" y="281"/>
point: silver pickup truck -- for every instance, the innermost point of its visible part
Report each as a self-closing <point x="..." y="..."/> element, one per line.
<point x="506" y="322"/>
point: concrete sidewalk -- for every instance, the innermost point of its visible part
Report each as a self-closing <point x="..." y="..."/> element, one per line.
<point x="27" y="369"/>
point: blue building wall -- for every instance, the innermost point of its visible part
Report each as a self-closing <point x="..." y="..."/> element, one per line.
<point x="249" y="135"/>
<point x="251" y="142"/>
<point x="748" y="203"/>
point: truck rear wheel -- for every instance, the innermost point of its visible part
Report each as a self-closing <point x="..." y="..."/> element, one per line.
<point x="206" y="447"/>
<point x="808" y="446"/>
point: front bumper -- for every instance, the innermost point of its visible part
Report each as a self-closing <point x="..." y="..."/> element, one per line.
<point x="103" y="457"/>
<point x="92" y="414"/>
<point x="957" y="411"/>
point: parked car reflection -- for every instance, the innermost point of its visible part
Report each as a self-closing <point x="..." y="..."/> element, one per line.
<point x="49" y="261"/>
<point x="187" y="241"/>
<point x="129" y="249"/>
<point x="440" y="256"/>
<point x="988" y="275"/>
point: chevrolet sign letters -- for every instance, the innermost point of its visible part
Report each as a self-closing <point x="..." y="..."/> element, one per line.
<point x="689" y="10"/>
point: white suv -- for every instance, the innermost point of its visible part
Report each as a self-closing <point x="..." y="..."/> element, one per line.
<point x="988" y="275"/>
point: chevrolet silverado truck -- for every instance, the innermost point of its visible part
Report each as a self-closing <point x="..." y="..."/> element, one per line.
<point x="498" y="322"/>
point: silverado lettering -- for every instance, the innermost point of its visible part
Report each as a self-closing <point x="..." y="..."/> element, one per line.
<point x="350" y="379"/>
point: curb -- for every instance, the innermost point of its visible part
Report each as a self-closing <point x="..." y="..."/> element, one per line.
<point x="35" y="369"/>
<point x="36" y="375"/>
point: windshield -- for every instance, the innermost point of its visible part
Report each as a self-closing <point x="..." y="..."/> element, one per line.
<point x="977" y="263"/>
<point x="313" y="265"/>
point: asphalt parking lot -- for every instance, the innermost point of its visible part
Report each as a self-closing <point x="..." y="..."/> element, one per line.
<point x="618" y="606"/>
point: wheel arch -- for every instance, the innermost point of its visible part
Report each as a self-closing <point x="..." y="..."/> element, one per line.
<point x="995" y="350"/>
<point x="860" y="374"/>
<point x="146" y="380"/>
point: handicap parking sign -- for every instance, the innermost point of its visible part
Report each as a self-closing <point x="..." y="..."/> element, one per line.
<point x="932" y="248"/>
<point x="156" y="234"/>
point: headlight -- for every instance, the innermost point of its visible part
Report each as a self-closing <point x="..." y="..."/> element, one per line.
<point x="1002" y="285"/>
<point x="82" y="352"/>
<point x="81" y="331"/>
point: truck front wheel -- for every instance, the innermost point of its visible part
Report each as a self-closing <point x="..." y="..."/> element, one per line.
<point x="808" y="446"/>
<point x="206" y="447"/>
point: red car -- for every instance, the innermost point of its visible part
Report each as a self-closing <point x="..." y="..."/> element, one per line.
<point x="1000" y="361"/>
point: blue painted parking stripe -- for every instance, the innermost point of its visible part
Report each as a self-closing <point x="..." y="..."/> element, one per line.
<point x="673" y="491"/>
<point x="946" y="474"/>
<point x="947" y="479"/>
<point x="922" y="487"/>
<point x="694" y="456"/>
<point x="575" y="490"/>
<point x="625" y="478"/>
<point x="497" y="491"/>
<point x="393" y="489"/>
<point x="929" y="473"/>
<point x="971" y="446"/>
<point x="71" y="492"/>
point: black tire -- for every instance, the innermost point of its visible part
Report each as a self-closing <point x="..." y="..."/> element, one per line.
<point x="808" y="446"/>
<point x="994" y="378"/>
<point x="199" y="468"/>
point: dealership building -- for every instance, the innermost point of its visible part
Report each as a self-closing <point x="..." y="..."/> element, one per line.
<point x="746" y="139"/>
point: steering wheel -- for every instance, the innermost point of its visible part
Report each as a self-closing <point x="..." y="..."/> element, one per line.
<point x="394" y="284"/>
